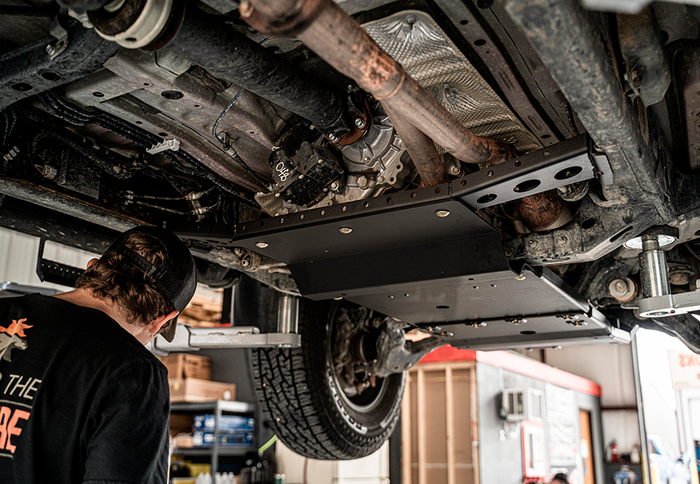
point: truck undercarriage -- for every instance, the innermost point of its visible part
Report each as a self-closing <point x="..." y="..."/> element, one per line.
<point x="492" y="174"/>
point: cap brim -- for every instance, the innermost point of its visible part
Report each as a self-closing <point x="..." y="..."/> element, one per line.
<point x="169" y="333"/>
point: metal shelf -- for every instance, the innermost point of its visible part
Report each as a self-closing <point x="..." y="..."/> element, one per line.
<point x="237" y="451"/>
<point x="224" y="405"/>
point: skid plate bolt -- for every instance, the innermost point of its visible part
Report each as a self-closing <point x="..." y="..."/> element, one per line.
<point x="360" y="123"/>
<point x="517" y="322"/>
<point x="333" y="138"/>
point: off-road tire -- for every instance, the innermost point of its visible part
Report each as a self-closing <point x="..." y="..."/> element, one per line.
<point x="304" y="404"/>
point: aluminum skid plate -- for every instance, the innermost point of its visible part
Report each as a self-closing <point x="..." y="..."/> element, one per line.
<point x="426" y="258"/>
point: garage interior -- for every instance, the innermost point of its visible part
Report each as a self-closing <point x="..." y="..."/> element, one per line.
<point x="467" y="416"/>
<point x="437" y="241"/>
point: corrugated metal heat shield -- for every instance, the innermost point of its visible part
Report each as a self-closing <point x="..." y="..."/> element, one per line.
<point x="432" y="59"/>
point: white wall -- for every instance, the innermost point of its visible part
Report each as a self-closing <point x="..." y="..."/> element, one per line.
<point x="373" y="469"/>
<point x="611" y="367"/>
<point x="659" y="396"/>
<point x="18" y="254"/>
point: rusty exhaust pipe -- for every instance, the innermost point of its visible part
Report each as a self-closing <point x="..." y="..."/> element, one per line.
<point x="338" y="39"/>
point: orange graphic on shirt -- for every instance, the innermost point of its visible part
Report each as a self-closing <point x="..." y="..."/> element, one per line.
<point x="12" y="338"/>
<point x="17" y="327"/>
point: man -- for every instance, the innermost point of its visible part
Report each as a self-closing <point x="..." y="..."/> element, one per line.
<point x="81" y="399"/>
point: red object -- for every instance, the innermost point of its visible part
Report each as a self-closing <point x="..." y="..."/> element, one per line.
<point x="614" y="453"/>
<point x="517" y="364"/>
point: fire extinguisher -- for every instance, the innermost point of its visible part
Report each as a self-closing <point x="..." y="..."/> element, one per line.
<point x="613" y="452"/>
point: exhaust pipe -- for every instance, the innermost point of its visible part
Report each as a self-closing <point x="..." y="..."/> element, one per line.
<point x="339" y="40"/>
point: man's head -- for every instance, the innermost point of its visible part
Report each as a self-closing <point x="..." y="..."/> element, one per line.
<point x="147" y="272"/>
<point x="560" y="478"/>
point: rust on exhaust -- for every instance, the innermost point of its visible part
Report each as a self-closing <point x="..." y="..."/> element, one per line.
<point x="422" y="150"/>
<point x="339" y="40"/>
<point x="540" y="210"/>
<point x="283" y="18"/>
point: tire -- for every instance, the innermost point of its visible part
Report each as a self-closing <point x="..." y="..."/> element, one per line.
<point x="304" y="403"/>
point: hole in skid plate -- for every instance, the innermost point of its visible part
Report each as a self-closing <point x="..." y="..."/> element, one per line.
<point x="50" y="76"/>
<point x="546" y="136"/>
<point x="528" y="332"/>
<point x="138" y="122"/>
<point x="463" y="183"/>
<point x="388" y="200"/>
<point x="479" y="42"/>
<point x="470" y="278"/>
<point x="463" y="22"/>
<point x="526" y="186"/>
<point x="21" y="87"/>
<point x="301" y="216"/>
<point x="442" y="307"/>
<point x="697" y="233"/>
<point x="131" y="39"/>
<point x="437" y="190"/>
<point x="413" y="195"/>
<point x="569" y="172"/>
<point x="517" y="163"/>
<point x="172" y="95"/>
<point x="98" y="94"/>
<point x="621" y="234"/>
<point x="262" y="224"/>
<point x="162" y="135"/>
<point x="366" y="204"/>
<point x="588" y="223"/>
<point x="487" y="198"/>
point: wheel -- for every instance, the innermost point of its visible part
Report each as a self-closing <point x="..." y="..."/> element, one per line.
<point x="317" y="409"/>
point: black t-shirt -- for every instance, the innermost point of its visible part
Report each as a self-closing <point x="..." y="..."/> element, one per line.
<point x="81" y="400"/>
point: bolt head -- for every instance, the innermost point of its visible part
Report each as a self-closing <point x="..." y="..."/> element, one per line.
<point x="262" y="245"/>
<point x="335" y="185"/>
<point x="333" y="138"/>
<point x="442" y="213"/>
<point x="455" y="170"/>
<point x="50" y="49"/>
<point x="362" y="181"/>
<point x="345" y="230"/>
<point x="360" y="123"/>
<point x="533" y="244"/>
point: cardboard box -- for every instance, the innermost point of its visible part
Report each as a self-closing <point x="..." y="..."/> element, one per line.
<point x="184" y="365"/>
<point x="202" y="438"/>
<point x="181" y="423"/>
<point x="195" y="390"/>
<point x="227" y="423"/>
<point x="183" y="441"/>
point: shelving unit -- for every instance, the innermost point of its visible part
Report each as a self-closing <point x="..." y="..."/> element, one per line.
<point x="218" y="408"/>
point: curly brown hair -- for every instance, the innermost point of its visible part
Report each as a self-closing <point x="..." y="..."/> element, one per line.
<point x="115" y="279"/>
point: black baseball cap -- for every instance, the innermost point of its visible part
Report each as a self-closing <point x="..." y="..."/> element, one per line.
<point x="175" y="276"/>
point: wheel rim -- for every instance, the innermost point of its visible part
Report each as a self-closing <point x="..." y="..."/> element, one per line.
<point x="365" y="402"/>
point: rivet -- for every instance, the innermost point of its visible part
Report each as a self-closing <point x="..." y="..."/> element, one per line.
<point x="345" y="230"/>
<point x="442" y="213"/>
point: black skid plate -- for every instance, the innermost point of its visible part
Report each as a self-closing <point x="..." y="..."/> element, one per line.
<point x="425" y="257"/>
